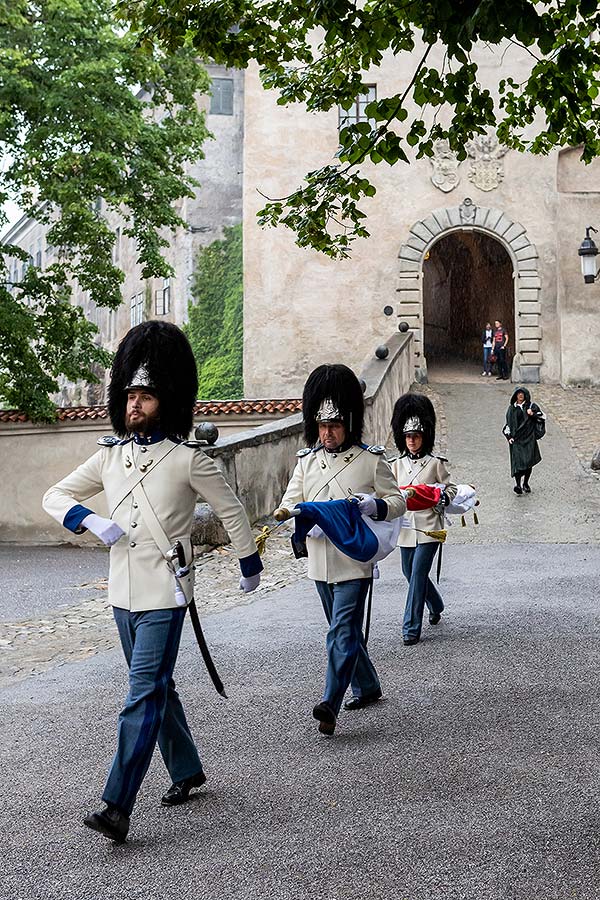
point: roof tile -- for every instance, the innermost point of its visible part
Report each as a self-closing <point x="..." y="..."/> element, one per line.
<point x="202" y="408"/>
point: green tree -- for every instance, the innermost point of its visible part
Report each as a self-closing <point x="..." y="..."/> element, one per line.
<point x="215" y="326"/>
<point x="316" y="51"/>
<point x="74" y="127"/>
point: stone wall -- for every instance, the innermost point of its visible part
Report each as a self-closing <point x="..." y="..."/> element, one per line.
<point x="299" y="303"/>
<point x="257" y="464"/>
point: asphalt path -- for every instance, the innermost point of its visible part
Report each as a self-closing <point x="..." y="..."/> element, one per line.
<point x="37" y="580"/>
<point x="476" y="778"/>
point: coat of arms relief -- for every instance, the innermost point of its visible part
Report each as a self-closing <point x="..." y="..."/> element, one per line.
<point x="445" y="164"/>
<point x="486" y="167"/>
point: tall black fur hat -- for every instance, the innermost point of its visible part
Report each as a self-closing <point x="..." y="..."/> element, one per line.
<point x="414" y="406"/>
<point x="156" y="356"/>
<point x="340" y="385"/>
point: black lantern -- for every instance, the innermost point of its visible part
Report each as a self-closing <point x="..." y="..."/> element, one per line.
<point x="588" y="253"/>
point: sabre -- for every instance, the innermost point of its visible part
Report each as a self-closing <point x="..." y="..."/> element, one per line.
<point x="176" y="559"/>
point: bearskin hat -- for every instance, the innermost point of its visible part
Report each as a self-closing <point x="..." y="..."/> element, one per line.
<point x="338" y="384"/>
<point x="411" y="406"/>
<point x="160" y="356"/>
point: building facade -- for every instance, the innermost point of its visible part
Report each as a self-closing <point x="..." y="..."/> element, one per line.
<point x="217" y="204"/>
<point x="453" y="245"/>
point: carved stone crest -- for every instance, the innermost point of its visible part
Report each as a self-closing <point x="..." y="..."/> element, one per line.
<point x="445" y="175"/>
<point x="487" y="168"/>
<point x="467" y="211"/>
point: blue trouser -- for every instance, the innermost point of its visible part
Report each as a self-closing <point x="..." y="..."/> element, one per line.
<point x="152" y="711"/>
<point x="487" y="365"/>
<point x="416" y="565"/>
<point x="347" y="656"/>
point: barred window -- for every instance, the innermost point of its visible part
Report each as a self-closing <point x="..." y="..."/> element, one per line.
<point x="137" y="309"/>
<point x="221" y="101"/>
<point x="356" y="113"/>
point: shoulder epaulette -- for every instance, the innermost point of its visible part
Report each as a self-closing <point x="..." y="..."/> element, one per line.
<point x="379" y="451"/>
<point x="443" y="458"/>
<point x="304" y="451"/>
<point x="109" y="440"/>
<point x="195" y="445"/>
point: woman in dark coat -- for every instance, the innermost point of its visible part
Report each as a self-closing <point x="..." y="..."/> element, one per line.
<point x="525" y="422"/>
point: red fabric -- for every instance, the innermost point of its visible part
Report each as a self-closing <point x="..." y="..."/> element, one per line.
<point x="425" y="497"/>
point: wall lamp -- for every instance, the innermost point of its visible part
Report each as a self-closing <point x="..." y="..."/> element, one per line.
<point x="588" y="253"/>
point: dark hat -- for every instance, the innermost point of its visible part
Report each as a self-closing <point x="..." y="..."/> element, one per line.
<point x="332" y="393"/>
<point x="157" y="357"/>
<point x="413" y="414"/>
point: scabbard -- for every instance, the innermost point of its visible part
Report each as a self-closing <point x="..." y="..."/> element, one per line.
<point x="208" y="660"/>
<point x="368" y="617"/>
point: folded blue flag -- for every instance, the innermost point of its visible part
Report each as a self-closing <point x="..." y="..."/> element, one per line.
<point x="343" y="523"/>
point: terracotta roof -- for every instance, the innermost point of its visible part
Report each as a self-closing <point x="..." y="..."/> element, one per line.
<point x="202" y="408"/>
<point x="243" y="407"/>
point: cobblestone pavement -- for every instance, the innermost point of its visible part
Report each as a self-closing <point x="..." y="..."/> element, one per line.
<point x="565" y="507"/>
<point x="577" y="411"/>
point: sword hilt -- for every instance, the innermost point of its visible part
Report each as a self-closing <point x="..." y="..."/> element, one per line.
<point x="282" y="514"/>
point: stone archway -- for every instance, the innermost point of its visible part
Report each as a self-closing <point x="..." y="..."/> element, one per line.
<point x="528" y="338"/>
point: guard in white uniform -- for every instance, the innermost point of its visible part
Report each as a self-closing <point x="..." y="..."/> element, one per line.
<point x="337" y="465"/>
<point x="152" y="478"/>
<point x="413" y="426"/>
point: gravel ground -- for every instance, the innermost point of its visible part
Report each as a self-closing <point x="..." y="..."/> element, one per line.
<point x="476" y="779"/>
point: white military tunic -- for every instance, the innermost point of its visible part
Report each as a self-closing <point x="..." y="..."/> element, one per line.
<point x="427" y="470"/>
<point x="320" y="475"/>
<point x="175" y="476"/>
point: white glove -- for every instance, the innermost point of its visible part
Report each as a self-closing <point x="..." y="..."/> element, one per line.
<point x="180" y="598"/>
<point x="247" y="585"/>
<point x="105" y="529"/>
<point x="368" y="506"/>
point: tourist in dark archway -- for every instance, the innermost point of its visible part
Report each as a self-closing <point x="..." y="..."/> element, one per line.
<point x="487" y="340"/>
<point x="413" y="427"/>
<point x="525" y="424"/>
<point x="500" y="350"/>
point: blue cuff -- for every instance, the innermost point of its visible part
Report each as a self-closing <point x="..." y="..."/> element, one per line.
<point x="382" y="509"/>
<point x="75" y="517"/>
<point x="251" y="565"/>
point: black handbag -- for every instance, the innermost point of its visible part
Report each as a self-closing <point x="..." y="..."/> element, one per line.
<point x="540" y="427"/>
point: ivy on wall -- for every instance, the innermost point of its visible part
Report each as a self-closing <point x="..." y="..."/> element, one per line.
<point x="215" y="327"/>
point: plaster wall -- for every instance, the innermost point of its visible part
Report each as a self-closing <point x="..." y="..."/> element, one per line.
<point x="302" y="308"/>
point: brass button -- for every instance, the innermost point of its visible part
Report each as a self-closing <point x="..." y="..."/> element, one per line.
<point x="134" y="524"/>
<point x="132" y="543"/>
<point x="143" y="449"/>
<point x="135" y="506"/>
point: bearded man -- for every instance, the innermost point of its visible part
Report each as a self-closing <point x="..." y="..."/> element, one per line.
<point x="152" y="477"/>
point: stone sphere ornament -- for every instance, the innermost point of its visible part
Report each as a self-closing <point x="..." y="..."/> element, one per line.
<point x="363" y="384"/>
<point x="382" y="352"/>
<point x="388" y="310"/>
<point x="403" y="327"/>
<point x="208" y="432"/>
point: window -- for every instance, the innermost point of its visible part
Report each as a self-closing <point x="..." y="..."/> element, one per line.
<point x="116" y="254"/>
<point x="137" y="309"/>
<point x="356" y="113"/>
<point x="38" y="254"/>
<point x="112" y="324"/>
<point x="162" y="298"/>
<point x="221" y="101"/>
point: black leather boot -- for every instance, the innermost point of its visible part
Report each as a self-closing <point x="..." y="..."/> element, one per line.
<point x="179" y="792"/>
<point x="326" y="717"/>
<point x="110" y="822"/>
